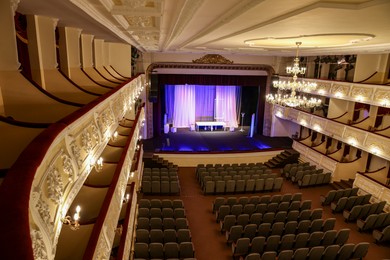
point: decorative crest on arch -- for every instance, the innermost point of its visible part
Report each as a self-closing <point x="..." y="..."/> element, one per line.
<point x="213" y="59"/>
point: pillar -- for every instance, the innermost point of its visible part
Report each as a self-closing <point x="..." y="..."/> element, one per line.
<point x="86" y="50"/>
<point x="69" y="45"/>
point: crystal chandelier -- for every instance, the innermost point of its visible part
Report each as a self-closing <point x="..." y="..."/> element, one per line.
<point x="292" y="100"/>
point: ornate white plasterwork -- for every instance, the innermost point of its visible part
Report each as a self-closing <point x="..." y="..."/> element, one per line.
<point x="361" y="92"/>
<point x="65" y="167"/>
<point x="39" y="248"/>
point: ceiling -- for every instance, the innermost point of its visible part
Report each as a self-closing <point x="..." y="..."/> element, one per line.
<point x="248" y="27"/>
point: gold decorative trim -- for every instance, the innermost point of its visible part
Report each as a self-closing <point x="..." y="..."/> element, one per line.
<point x="213" y="59"/>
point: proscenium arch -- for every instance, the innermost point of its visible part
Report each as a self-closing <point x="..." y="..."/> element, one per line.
<point x="209" y="67"/>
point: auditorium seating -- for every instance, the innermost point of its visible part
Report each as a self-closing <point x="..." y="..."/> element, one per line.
<point x="381" y="235"/>
<point x="374" y="221"/>
<point x="347" y="203"/>
<point x="363" y="211"/>
<point x="160" y="181"/>
<point x="305" y="174"/>
<point x="335" y="195"/>
<point x="261" y="245"/>
<point x="237" y="230"/>
<point x="211" y="187"/>
<point x="162" y="230"/>
<point x="314" y="179"/>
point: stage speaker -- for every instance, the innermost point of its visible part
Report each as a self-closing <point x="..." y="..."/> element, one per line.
<point x="153" y="92"/>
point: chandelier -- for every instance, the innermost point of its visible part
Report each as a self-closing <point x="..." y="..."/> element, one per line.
<point x="292" y="100"/>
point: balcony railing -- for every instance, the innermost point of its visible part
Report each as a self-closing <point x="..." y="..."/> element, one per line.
<point x="46" y="178"/>
<point x="377" y="95"/>
<point x="364" y="140"/>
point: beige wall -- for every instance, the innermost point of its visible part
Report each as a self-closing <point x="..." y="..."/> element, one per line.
<point x="69" y="49"/>
<point x="98" y="52"/>
<point x="86" y="51"/>
<point x="367" y="64"/>
<point x="120" y="58"/>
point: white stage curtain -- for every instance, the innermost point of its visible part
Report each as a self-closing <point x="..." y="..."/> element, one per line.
<point x="204" y="103"/>
<point x="184" y="106"/>
<point x="225" y="108"/>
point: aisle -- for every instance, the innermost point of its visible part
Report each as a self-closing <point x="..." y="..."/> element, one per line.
<point x="209" y="243"/>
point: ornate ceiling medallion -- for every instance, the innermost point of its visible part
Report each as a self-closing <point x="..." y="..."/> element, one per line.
<point x="213" y="59"/>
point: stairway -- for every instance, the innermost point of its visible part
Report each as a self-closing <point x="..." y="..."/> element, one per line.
<point x="285" y="157"/>
<point x="157" y="162"/>
<point x="342" y="184"/>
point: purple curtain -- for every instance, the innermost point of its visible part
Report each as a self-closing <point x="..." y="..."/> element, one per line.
<point x="186" y="104"/>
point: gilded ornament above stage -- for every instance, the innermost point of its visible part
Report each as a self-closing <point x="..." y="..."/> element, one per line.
<point x="213" y="59"/>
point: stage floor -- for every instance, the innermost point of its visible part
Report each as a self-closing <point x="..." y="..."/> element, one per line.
<point x="185" y="140"/>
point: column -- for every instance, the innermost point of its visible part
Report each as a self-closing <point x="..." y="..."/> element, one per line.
<point x="98" y="52"/>
<point x="69" y="49"/>
<point x="86" y="51"/>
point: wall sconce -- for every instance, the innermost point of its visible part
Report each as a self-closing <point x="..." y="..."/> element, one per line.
<point x="132" y="175"/>
<point x="119" y="230"/>
<point x="385" y="102"/>
<point x="374" y="150"/>
<point x="73" y="223"/>
<point x="359" y="98"/>
<point x="321" y="91"/>
<point x="140" y="137"/>
<point x="114" y="136"/>
<point x="279" y="114"/>
<point x="317" y="128"/>
<point x="352" y="141"/>
<point x="98" y="164"/>
<point x="126" y="198"/>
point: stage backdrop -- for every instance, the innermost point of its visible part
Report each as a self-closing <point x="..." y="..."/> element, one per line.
<point x="252" y="94"/>
<point x="187" y="104"/>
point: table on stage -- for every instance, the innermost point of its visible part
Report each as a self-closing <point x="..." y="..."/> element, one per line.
<point x="210" y="126"/>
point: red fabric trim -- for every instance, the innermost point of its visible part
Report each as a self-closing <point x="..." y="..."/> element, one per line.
<point x="16" y="187"/>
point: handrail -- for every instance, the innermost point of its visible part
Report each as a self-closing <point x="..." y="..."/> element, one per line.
<point x="77" y="86"/>
<point x="101" y="75"/>
<point x="94" y="81"/>
<point x="126" y="224"/>
<point x="118" y="72"/>
<point x="14" y="122"/>
<point x="326" y="155"/>
<point x="372" y="179"/>
<point x="334" y="152"/>
<point x="123" y="79"/>
<point x="93" y="241"/>
<point x="362" y="81"/>
<point x="16" y="233"/>
<point x="333" y="118"/>
<point x="379" y="130"/>
<point x="318" y="144"/>
<point x="358" y="122"/>
<point x="368" y="172"/>
<point x="354" y="160"/>
<point x="47" y="93"/>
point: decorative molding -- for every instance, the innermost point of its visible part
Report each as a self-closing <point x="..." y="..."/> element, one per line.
<point x="63" y="170"/>
<point x="213" y="59"/>
<point x="38" y="245"/>
<point x="55" y="185"/>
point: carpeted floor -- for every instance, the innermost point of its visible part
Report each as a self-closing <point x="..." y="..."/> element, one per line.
<point x="211" y="244"/>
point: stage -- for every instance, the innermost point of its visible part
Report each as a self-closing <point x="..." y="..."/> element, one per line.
<point x="185" y="140"/>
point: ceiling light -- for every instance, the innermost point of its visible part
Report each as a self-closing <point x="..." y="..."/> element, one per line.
<point x="291" y="99"/>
